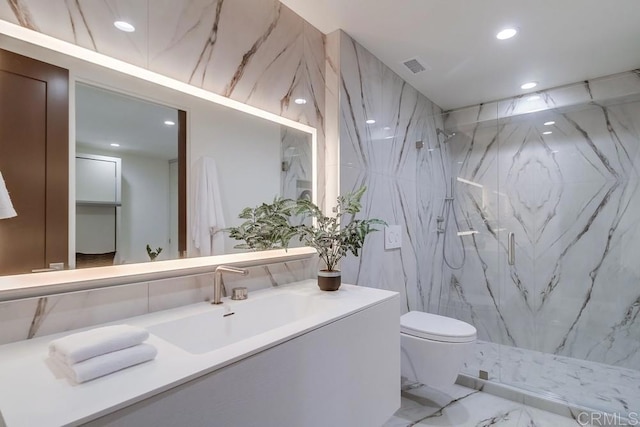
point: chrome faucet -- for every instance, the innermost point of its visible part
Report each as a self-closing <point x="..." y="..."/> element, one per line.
<point x="218" y="286"/>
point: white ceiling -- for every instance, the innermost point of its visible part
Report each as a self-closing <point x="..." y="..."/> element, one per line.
<point x="104" y="117"/>
<point x="560" y="41"/>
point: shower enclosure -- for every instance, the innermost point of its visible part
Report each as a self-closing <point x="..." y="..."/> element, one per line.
<point x="560" y="171"/>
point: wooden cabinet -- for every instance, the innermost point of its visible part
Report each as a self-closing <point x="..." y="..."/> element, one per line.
<point x="34" y="160"/>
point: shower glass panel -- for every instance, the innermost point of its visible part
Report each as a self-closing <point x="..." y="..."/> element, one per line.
<point x="562" y="322"/>
<point x="464" y="246"/>
<point x="571" y="181"/>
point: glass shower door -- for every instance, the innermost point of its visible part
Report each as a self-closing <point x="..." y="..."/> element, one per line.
<point x="460" y="205"/>
<point x="570" y="194"/>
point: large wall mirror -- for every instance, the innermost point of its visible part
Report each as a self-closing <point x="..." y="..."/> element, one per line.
<point x="124" y="137"/>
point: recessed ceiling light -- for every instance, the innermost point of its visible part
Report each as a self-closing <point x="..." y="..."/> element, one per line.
<point x="533" y="98"/>
<point x="554" y="151"/>
<point x="388" y="137"/>
<point x="547" y="132"/>
<point x="300" y="101"/>
<point x="169" y="122"/>
<point x="114" y="144"/>
<point x="529" y="85"/>
<point x="431" y="149"/>
<point x="549" y="123"/>
<point x="507" y="33"/>
<point x="124" y="26"/>
<point x="386" y="128"/>
<point x="370" y="121"/>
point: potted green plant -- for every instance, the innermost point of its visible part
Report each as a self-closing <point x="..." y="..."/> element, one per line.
<point x="153" y="254"/>
<point x="266" y="227"/>
<point x="333" y="237"/>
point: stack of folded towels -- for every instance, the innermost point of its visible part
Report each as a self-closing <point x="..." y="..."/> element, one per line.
<point x="101" y="351"/>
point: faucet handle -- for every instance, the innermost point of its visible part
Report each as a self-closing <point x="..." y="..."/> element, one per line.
<point x="239" y="293"/>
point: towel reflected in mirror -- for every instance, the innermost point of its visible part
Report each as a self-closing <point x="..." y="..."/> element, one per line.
<point x="6" y="207"/>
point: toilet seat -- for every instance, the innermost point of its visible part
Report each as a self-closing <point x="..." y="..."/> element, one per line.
<point x="436" y="328"/>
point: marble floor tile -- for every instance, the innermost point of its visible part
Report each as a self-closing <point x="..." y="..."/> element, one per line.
<point x="574" y="381"/>
<point x="463" y="406"/>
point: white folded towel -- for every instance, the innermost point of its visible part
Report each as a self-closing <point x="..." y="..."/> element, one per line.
<point x="85" y="345"/>
<point x="107" y="363"/>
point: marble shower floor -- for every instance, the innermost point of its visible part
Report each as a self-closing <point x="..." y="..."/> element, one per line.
<point x="574" y="381"/>
<point x="462" y="407"/>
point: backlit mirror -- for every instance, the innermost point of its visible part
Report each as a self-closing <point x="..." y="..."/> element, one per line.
<point x="235" y="156"/>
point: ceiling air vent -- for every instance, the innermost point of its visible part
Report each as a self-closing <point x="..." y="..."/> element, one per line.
<point x="414" y="65"/>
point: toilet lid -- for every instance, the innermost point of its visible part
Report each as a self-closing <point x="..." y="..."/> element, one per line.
<point x="436" y="328"/>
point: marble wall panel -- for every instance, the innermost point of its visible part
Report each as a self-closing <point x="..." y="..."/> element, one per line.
<point x="88" y="24"/>
<point x="26" y="319"/>
<point x="332" y="117"/>
<point x="397" y="158"/>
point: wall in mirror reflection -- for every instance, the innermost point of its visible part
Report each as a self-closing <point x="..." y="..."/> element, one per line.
<point x="234" y="161"/>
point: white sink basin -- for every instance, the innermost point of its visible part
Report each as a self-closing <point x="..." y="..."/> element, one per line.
<point x="205" y="332"/>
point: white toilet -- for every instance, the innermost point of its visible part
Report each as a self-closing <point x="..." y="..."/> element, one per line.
<point x="434" y="348"/>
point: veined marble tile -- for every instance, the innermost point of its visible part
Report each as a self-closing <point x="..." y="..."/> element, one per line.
<point x="171" y="293"/>
<point x="265" y="64"/>
<point x="467" y="407"/>
<point x="273" y="275"/>
<point x="36" y="317"/>
<point x="394" y="201"/>
<point x="578" y="382"/>
<point x="372" y="92"/>
<point x="393" y="157"/>
<point x="87" y="23"/>
<point x="332" y="118"/>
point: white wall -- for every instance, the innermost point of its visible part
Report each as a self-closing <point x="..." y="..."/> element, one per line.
<point x="248" y="164"/>
<point x="145" y="208"/>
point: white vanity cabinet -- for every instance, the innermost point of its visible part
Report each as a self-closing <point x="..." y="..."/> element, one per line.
<point x="289" y="356"/>
<point x="345" y="373"/>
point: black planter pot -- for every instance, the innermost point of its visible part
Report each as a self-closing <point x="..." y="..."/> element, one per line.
<point x="329" y="280"/>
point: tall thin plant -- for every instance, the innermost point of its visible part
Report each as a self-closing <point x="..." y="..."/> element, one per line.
<point x="332" y="236"/>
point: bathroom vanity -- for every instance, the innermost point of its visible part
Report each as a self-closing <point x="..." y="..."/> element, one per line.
<point x="287" y="356"/>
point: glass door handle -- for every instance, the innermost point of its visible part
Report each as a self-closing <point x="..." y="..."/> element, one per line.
<point x="511" y="249"/>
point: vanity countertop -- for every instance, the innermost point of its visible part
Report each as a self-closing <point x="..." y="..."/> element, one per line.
<point x="33" y="394"/>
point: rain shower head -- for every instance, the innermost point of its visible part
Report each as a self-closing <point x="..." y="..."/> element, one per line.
<point x="447" y="135"/>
